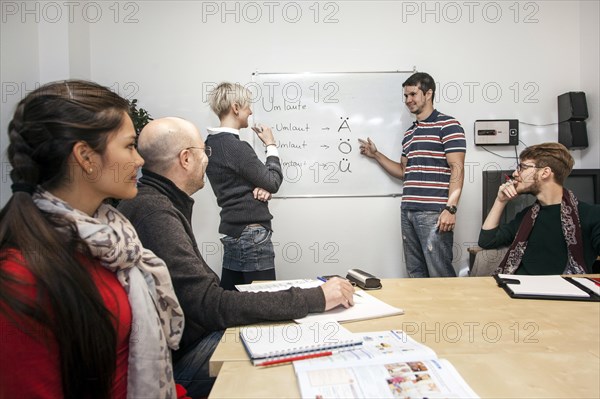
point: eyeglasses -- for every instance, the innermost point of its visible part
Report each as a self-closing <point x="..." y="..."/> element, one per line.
<point x="523" y="166"/>
<point x="206" y="149"/>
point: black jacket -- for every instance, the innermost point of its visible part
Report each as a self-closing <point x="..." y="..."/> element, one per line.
<point x="161" y="213"/>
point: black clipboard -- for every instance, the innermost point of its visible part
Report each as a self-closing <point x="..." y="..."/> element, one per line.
<point x="507" y="284"/>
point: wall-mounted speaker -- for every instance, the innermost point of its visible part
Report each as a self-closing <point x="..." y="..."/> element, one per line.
<point x="572" y="106"/>
<point x="573" y="134"/>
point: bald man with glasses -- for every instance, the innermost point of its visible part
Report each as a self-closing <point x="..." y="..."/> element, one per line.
<point x="175" y="163"/>
<point x="557" y="234"/>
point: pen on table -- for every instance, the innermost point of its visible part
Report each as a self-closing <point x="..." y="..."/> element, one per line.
<point x="295" y="358"/>
<point x="324" y="279"/>
<point x="595" y="281"/>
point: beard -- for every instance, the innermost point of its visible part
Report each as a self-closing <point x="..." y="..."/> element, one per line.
<point x="534" y="188"/>
<point x="418" y="108"/>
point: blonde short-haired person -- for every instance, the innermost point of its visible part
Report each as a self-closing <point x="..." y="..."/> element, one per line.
<point x="557" y="234"/>
<point x="85" y="310"/>
<point x="243" y="184"/>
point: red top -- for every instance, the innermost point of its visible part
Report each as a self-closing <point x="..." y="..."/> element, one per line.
<point x="29" y="363"/>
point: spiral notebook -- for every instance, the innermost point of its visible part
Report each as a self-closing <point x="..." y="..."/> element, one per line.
<point x="285" y="343"/>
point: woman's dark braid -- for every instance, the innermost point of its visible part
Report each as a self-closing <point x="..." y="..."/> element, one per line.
<point x="24" y="168"/>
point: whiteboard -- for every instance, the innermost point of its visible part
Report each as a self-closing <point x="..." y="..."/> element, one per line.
<point x="317" y="119"/>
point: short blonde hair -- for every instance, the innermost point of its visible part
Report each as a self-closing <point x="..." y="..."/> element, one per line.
<point x="222" y="97"/>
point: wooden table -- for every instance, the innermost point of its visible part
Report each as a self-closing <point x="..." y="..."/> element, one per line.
<point x="502" y="347"/>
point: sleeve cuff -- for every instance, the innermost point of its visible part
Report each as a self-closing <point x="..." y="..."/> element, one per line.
<point x="487" y="238"/>
<point x="272" y="151"/>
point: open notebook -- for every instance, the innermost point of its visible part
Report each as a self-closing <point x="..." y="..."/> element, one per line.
<point x="287" y="342"/>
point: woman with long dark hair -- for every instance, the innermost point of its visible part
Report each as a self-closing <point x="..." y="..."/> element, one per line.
<point x="85" y="310"/>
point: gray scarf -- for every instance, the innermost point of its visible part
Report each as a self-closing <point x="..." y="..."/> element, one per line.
<point x="157" y="318"/>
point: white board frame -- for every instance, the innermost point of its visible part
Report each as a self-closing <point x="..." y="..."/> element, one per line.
<point x="307" y="112"/>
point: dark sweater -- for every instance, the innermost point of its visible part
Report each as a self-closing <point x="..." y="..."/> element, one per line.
<point x="161" y="214"/>
<point x="546" y="251"/>
<point x="234" y="171"/>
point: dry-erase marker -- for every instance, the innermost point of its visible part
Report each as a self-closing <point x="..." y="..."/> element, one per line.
<point x="295" y="358"/>
<point x="257" y="128"/>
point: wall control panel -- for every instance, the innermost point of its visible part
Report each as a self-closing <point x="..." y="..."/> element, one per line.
<point x="496" y="132"/>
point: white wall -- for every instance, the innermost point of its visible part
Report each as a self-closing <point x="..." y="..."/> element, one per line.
<point x="590" y="77"/>
<point x="19" y="72"/>
<point x="165" y="52"/>
<point x="40" y="42"/>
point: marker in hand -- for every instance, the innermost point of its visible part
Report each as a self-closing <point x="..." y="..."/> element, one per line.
<point x="508" y="188"/>
<point x="257" y="128"/>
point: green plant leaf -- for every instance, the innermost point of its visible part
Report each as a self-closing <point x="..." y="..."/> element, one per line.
<point x="139" y="116"/>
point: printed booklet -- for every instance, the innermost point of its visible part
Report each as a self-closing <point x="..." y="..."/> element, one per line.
<point x="389" y="364"/>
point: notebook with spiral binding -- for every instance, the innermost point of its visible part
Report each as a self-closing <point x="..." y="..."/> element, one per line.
<point x="273" y="344"/>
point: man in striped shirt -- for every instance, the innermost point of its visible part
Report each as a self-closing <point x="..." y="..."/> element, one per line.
<point x="432" y="166"/>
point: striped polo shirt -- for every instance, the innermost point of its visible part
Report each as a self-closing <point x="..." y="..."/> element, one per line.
<point x="427" y="174"/>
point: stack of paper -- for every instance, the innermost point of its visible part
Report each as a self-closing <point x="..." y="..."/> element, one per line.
<point x="365" y="307"/>
<point x="278" y="285"/>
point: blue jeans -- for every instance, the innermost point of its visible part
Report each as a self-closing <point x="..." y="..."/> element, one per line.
<point x="191" y="370"/>
<point x="427" y="251"/>
<point x="249" y="257"/>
